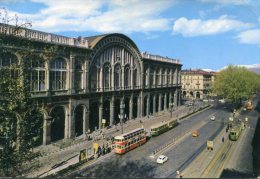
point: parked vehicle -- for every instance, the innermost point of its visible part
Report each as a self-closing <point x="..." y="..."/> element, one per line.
<point x="249" y="105"/>
<point x="212" y="118"/>
<point x="195" y="134"/>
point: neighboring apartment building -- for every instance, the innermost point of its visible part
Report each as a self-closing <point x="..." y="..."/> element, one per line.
<point x="197" y="84"/>
<point x="86" y="80"/>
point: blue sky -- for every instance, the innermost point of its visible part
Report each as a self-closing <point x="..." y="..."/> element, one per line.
<point x="206" y="34"/>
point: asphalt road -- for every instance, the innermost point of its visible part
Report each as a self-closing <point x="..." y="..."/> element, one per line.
<point x="138" y="163"/>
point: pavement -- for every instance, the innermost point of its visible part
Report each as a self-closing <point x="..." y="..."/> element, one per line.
<point x="56" y="157"/>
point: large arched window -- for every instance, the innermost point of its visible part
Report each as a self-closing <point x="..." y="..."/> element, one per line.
<point x="78" y="74"/>
<point x="106" y="76"/>
<point x="151" y="77"/>
<point x="117" y="76"/>
<point x="127" y="76"/>
<point x="158" y="77"/>
<point x="37" y="73"/>
<point x="135" y="77"/>
<point x="163" y="77"/>
<point x="58" y="74"/>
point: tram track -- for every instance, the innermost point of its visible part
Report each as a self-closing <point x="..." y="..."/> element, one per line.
<point x="216" y="165"/>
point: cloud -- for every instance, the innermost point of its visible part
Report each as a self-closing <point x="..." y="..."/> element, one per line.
<point x="198" y="27"/>
<point x="227" y="2"/>
<point x="102" y="16"/>
<point x="249" y="37"/>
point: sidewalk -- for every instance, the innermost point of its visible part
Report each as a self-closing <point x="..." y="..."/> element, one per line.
<point x="53" y="155"/>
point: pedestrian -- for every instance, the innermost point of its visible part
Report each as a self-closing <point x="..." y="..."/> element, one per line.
<point x="223" y="139"/>
<point x="180" y="176"/>
<point x="178" y="172"/>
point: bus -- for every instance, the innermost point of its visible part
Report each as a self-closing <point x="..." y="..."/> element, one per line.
<point x="235" y="133"/>
<point x="130" y="140"/>
<point x="157" y="129"/>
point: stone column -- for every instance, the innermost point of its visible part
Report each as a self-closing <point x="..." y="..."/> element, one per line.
<point x="112" y="110"/>
<point x="46" y="130"/>
<point x="154" y="104"/>
<point x="101" y="79"/>
<point x="100" y="108"/>
<point x="47" y="85"/>
<point x="154" y="78"/>
<point x="123" y="77"/>
<point x="85" y="120"/>
<point x="175" y="98"/>
<point x="140" y="105"/>
<point x="112" y="77"/>
<point x="69" y="122"/>
<point x="131" y="103"/>
<point x="165" y="102"/>
<point x="148" y="105"/>
<point x="70" y="75"/>
<point x="160" y="103"/>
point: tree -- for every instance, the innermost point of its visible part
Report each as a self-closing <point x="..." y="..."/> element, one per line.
<point x="19" y="113"/>
<point x="236" y="83"/>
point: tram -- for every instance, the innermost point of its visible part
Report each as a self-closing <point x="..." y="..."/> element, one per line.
<point x="162" y="127"/>
<point x="235" y="133"/>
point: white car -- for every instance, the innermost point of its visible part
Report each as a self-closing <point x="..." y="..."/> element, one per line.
<point x="212" y="118"/>
<point x="161" y="159"/>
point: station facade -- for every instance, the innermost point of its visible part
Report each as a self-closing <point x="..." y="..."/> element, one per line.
<point x="85" y="84"/>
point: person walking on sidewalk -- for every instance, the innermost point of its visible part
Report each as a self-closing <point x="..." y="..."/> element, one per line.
<point x="223" y="140"/>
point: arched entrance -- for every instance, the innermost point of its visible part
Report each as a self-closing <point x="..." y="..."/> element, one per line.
<point x="58" y="123"/>
<point x="79" y="120"/>
<point x="162" y="102"/>
<point x="135" y="100"/>
<point x="93" y="115"/>
<point x="151" y="104"/>
<point x="156" y="103"/>
<point x="106" y="111"/>
<point x="127" y="108"/>
<point x="117" y="110"/>
<point x="198" y="95"/>
<point x="145" y="106"/>
<point x="184" y="94"/>
<point x="191" y="94"/>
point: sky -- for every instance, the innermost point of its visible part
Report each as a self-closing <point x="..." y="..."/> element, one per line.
<point x="205" y="34"/>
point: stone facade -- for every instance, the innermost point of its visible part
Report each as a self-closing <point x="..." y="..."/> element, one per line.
<point x="197" y="84"/>
<point x="86" y="81"/>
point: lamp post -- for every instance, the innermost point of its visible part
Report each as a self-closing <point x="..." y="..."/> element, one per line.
<point x="121" y="115"/>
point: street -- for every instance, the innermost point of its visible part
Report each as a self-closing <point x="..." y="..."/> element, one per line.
<point x="138" y="163"/>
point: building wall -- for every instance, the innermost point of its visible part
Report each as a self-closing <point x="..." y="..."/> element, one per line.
<point x="80" y="87"/>
<point x="197" y="84"/>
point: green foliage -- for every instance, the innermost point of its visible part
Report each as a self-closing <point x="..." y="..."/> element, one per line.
<point x="236" y="83"/>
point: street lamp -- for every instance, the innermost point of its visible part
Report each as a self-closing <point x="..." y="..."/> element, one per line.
<point x="121" y="115"/>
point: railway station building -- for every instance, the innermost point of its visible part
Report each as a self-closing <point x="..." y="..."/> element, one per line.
<point x="84" y="83"/>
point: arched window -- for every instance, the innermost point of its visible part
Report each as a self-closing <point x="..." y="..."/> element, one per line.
<point x="58" y="74"/>
<point x="158" y="77"/>
<point x="127" y="76"/>
<point x="117" y="76"/>
<point x="106" y="76"/>
<point x="163" y="77"/>
<point x="78" y="74"/>
<point x="135" y="77"/>
<point x="7" y="59"/>
<point x="37" y="73"/>
<point x="151" y="77"/>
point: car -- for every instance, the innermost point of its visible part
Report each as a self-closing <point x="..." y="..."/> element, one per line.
<point x="212" y="118"/>
<point x="161" y="159"/>
<point x="195" y="134"/>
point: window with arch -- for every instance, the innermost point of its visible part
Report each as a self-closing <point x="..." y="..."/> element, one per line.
<point x="78" y="74"/>
<point x="58" y="74"/>
<point x="127" y="76"/>
<point x="37" y="73"/>
<point x="9" y="61"/>
<point x="117" y="76"/>
<point x="135" y="77"/>
<point x="93" y="77"/>
<point x="157" y="80"/>
<point x="151" y="77"/>
<point x="106" y="76"/>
